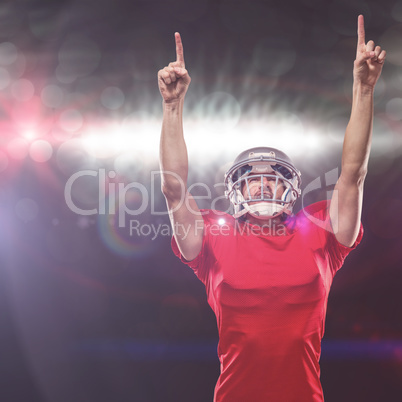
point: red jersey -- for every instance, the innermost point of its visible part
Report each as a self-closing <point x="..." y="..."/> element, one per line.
<point x="269" y="290"/>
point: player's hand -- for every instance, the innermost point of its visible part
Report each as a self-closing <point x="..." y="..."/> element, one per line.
<point x="173" y="80"/>
<point x="369" y="58"/>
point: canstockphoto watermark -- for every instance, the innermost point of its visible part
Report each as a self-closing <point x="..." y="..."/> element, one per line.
<point x="112" y="195"/>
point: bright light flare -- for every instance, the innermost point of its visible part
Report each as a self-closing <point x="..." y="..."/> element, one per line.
<point x="140" y="138"/>
<point x="29" y="135"/>
<point x="111" y="140"/>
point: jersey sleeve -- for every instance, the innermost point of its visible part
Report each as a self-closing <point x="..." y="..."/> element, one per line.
<point x="318" y="215"/>
<point x="200" y="263"/>
<point x="339" y="250"/>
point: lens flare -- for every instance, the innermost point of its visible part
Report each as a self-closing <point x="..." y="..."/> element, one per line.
<point x="138" y="238"/>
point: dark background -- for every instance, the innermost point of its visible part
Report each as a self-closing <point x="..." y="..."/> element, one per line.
<point x="92" y="312"/>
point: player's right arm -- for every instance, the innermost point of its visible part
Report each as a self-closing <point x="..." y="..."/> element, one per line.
<point x="185" y="217"/>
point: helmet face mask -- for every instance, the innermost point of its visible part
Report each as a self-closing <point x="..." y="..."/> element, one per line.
<point x="259" y="166"/>
<point x="264" y="199"/>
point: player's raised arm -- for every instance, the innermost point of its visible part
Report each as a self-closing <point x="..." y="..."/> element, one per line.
<point x="346" y="204"/>
<point x="173" y="81"/>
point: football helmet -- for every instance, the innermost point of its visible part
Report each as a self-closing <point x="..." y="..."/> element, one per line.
<point x="256" y="164"/>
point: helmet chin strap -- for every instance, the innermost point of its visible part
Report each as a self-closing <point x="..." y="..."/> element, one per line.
<point x="263" y="210"/>
<point x="266" y="210"/>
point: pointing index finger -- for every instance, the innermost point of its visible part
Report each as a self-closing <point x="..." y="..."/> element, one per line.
<point x="179" y="50"/>
<point x="360" y="31"/>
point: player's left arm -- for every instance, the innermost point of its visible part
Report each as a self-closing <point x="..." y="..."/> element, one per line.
<point x="347" y="198"/>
